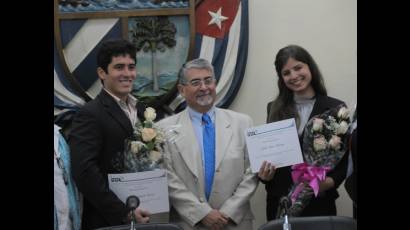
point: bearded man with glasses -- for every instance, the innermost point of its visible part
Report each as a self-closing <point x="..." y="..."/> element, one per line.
<point x="209" y="177"/>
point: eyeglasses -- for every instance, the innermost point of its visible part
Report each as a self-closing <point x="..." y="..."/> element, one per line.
<point x="197" y="82"/>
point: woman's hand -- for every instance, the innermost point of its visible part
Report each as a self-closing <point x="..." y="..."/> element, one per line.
<point x="327" y="184"/>
<point x="267" y="171"/>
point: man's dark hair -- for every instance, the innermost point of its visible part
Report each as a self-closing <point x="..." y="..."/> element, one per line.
<point x="114" y="48"/>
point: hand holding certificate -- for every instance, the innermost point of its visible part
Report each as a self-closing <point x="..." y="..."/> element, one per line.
<point x="275" y="142"/>
<point x="141" y="164"/>
<point x="150" y="187"/>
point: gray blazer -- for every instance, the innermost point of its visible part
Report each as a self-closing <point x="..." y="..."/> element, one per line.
<point x="234" y="183"/>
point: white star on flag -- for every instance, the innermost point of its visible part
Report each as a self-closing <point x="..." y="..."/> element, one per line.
<point x="217" y="18"/>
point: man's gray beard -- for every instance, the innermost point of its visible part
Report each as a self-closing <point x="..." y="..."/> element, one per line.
<point x="205" y="101"/>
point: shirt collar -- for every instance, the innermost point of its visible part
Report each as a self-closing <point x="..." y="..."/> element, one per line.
<point x="303" y="100"/>
<point x="130" y="99"/>
<point x="197" y="116"/>
<point x="56" y="136"/>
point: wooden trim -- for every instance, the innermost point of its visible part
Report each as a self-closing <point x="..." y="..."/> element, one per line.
<point x="197" y="2"/>
<point x="56" y="13"/>
<point x="124" y="13"/>
<point x="192" y="29"/>
<point x="124" y="27"/>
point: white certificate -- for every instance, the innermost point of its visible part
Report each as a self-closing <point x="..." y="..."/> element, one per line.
<point x="275" y="142"/>
<point x="150" y="187"/>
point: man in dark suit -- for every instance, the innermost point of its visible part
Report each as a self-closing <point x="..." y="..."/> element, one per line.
<point x="98" y="133"/>
<point x="351" y="181"/>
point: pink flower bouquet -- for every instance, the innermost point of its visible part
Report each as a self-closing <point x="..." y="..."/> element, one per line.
<point x="324" y="144"/>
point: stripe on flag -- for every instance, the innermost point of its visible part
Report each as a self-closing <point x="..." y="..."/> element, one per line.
<point x="226" y="47"/>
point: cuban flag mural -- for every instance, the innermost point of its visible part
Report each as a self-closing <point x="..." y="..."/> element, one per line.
<point x="221" y="38"/>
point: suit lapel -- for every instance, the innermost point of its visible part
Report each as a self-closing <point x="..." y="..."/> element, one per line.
<point x="188" y="145"/>
<point x="319" y="106"/>
<point x="223" y="136"/>
<point x="140" y="110"/>
<point x="114" y="110"/>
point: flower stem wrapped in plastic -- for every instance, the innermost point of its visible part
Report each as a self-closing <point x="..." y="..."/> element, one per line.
<point x="143" y="151"/>
<point x="324" y="144"/>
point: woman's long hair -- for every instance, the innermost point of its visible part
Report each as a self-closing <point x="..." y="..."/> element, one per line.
<point x="283" y="106"/>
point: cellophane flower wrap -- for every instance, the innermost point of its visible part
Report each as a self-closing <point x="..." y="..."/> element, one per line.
<point x="324" y="144"/>
<point x="143" y="151"/>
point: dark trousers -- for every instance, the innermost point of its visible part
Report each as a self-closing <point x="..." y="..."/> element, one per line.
<point x="355" y="211"/>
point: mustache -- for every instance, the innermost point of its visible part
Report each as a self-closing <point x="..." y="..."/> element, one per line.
<point x="200" y="94"/>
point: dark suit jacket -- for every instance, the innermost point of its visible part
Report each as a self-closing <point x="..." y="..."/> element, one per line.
<point x="350" y="183"/>
<point x="282" y="182"/>
<point x="97" y="135"/>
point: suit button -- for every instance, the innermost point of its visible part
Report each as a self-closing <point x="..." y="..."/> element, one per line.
<point x="201" y="199"/>
<point x="217" y="170"/>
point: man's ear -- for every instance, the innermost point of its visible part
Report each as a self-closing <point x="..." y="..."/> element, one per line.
<point x="101" y="73"/>
<point x="181" y="90"/>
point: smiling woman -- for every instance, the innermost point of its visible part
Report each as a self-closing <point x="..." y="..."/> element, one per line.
<point x="297" y="77"/>
<point x="302" y="95"/>
<point x="299" y="80"/>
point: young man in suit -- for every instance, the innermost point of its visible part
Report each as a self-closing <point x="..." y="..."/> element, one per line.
<point x="209" y="178"/>
<point x="98" y="133"/>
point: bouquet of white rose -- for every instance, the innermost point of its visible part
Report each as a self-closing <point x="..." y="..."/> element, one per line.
<point x="144" y="150"/>
<point x="324" y="144"/>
